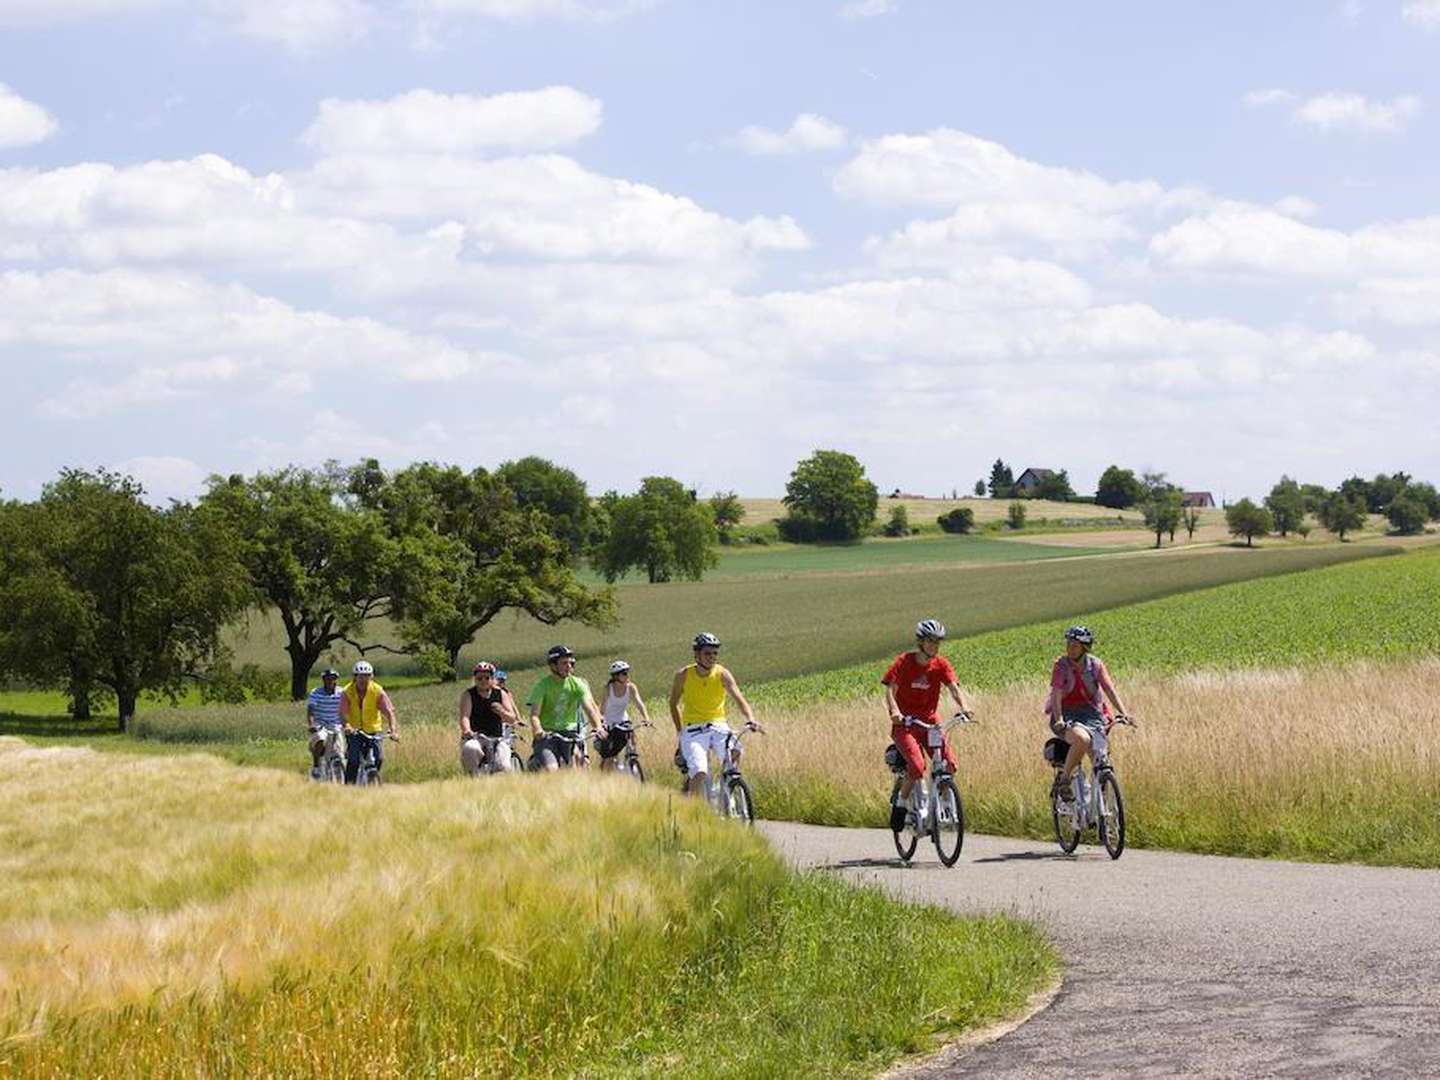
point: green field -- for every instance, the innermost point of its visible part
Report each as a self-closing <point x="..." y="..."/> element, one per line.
<point x="180" y="917"/>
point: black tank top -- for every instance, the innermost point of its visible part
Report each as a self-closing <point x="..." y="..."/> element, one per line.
<point x="484" y="716"/>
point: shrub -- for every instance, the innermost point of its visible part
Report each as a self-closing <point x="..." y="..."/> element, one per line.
<point x="959" y="520"/>
<point x="1016" y="516"/>
<point x="899" y="523"/>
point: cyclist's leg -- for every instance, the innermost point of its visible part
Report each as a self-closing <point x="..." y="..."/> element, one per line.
<point x="695" y="747"/>
<point x="914" y="755"/>
<point x="504" y="758"/>
<point x="354" y="751"/>
<point x="1078" y="736"/>
<point x="472" y="756"/>
<point x="548" y="751"/>
<point x="610" y="747"/>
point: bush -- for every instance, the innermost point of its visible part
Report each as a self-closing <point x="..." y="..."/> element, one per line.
<point x="1016" y="517"/>
<point x="1407" y="514"/>
<point x="899" y="523"/>
<point x="959" y="520"/>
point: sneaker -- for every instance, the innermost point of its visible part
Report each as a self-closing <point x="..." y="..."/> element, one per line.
<point x="315" y="772"/>
<point x="897" y="818"/>
<point x="1064" y="788"/>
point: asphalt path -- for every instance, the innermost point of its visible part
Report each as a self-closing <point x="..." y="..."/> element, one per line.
<point x="1187" y="965"/>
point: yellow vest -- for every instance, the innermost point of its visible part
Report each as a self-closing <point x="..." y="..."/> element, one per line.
<point x="702" y="700"/>
<point x="364" y="716"/>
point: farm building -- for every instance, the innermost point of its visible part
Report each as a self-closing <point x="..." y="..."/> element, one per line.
<point x="1201" y="499"/>
<point x="1031" y="478"/>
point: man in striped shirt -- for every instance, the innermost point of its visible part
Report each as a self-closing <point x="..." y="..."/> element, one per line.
<point x="322" y="711"/>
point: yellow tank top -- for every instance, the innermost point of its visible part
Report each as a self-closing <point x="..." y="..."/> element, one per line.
<point x="365" y="716"/>
<point x="703" y="698"/>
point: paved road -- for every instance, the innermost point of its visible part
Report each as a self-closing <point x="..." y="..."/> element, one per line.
<point x="1189" y="964"/>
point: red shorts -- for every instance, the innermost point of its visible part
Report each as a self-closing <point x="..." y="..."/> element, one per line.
<point x="912" y="744"/>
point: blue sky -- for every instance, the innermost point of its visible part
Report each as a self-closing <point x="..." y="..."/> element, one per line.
<point x="660" y="236"/>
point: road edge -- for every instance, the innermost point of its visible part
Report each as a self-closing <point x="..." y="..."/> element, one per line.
<point x="955" y="1050"/>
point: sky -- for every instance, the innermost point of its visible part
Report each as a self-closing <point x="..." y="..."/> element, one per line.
<point x="702" y="239"/>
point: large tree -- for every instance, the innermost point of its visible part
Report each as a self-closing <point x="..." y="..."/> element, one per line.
<point x="108" y="591"/>
<point x="1055" y="487"/>
<point x="1286" y="503"/>
<point x="727" y="511"/>
<point x="560" y="495"/>
<point x="1002" y="480"/>
<point x="501" y="556"/>
<point x="1162" y="506"/>
<point x="829" y="496"/>
<point x="1407" y="514"/>
<point x="1342" y="513"/>
<point x="326" y="561"/>
<point x="1248" y="520"/>
<point x="1119" y="488"/>
<point x="661" y="529"/>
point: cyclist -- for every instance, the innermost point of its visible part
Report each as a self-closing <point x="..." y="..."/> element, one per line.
<point x="485" y="709"/>
<point x="912" y="691"/>
<point x="619" y="694"/>
<point x="697" y="708"/>
<point x="556" y="703"/>
<point x="364" y="707"/>
<point x="322" y="713"/>
<point x="1079" y="685"/>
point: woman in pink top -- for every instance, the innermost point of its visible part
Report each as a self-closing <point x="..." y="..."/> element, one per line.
<point x="1079" y="685"/>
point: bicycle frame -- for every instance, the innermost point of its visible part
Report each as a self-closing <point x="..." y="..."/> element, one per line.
<point x="332" y="758"/>
<point x="1090" y="807"/>
<point x="488" y="743"/>
<point x="369" y="757"/>
<point x="922" y="794"/>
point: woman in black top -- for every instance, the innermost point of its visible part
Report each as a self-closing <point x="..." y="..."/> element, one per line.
<point x="485" y="709"/>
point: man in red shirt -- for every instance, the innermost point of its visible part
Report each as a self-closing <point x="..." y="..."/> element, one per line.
<point x="912" y="690"/>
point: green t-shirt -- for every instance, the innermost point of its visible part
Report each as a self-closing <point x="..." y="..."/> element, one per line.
<point x="559" y="701"/>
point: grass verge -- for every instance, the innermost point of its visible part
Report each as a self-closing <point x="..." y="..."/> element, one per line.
<point x="179" y="916"/>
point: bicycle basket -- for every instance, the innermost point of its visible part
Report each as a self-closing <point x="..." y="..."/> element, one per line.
<point x="894" y="759"/>
<point x="1055" y="751"/>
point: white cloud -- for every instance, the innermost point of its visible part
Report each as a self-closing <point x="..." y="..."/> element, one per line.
<point x="165" y="476"/>
<point x="869" y="9"/>
<point x="426" y="122"/>
<point x="1423" y="13"/>
<point x="517" y="10"/>
<point x="23" y="123"/>
<point x="808" y="132"/>
<point x="1339" y="111"/>
<point x="1411" y="302"/>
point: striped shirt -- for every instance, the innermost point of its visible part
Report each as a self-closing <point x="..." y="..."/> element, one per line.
<point x="325" y="707"/>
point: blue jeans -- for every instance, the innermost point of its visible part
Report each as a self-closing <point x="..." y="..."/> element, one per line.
<point x="356" y="746"/>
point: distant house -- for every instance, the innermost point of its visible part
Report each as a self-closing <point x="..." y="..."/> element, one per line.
<point x="1030" y="479"/>
<point x="1201" y="499"/>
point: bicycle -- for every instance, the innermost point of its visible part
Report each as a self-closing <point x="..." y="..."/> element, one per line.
<point x="368" y="775"/>
<point x="490" y="763"/>
<point x="579" y="753"/>
<point x="935" y="804"/>
<point x="332" y="757"/>
<point x="1097" y="801"/>
<point x="731" y="797"/>
<point x="631" y="765"/>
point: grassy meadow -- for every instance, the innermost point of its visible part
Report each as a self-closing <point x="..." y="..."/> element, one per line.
<point x="181" y="916"/>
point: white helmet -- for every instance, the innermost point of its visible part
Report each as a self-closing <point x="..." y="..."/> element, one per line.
<point x="618" y="667"/>
<point x="362" y="667"/>
<point x="930" y="628"/>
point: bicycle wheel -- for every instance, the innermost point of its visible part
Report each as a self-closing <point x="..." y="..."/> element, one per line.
<point x="905" y="840"/>
<point x="948" y="827"/>
<point x="518" y="762"/>
<point x="1112" y="815"/>
<point x="1067" y="828"/>
<point x="635" y="769"/>
<point x="742" y="806"/>
<point x="336" y="771"/>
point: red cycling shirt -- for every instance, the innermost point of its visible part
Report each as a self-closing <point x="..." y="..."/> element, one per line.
<point x="917" y="685"/>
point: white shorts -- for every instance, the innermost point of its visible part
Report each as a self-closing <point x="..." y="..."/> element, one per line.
<point x="474" y="753"/>
<point x="697" y="746"/>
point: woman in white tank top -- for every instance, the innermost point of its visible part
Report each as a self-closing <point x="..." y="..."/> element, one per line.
<point x="620" y="694"/>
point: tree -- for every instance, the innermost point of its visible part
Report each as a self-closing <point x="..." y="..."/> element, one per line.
<point x="1016" y="515"/>
<point x="1286" y="503"/>
<point x="899" y="523"/>
<point x="559" y="494"/>
<point x="1055" y="487"/>
<point x="660" y="529"/>
<point x="1357" y="489"/>
<point x="1384" y="490"/>
<point x="1248" y="520"/>
<point x="829" y="496"/>
<point x="1428" y="497"/>
<point x="959" y="520"/>
<point x="1119" y="488"/>
<point x="499" y="556"/>
<point x="328" y="566"/>
<point x="1190" y="518"/>
<point x="1162" y="506"/>
<point x="1407" y="514"/>
<point x="1314" y="496"/>
<point x="1002" y="480"/>
<point x="110" y="592"/>
<point x="727" y="511"/>
<point x="1341" y="513"/>
<point x="979" y="489"/>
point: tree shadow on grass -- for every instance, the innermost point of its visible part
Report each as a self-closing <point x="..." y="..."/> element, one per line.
<point x="56" y="727"/>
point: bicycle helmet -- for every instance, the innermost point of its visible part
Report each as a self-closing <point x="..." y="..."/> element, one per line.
<point x="930" y="628"/>
<point x="619" y="667"/>
<point x="706" y="641"/>
<point x="362" y="667"/>
<point x="1081" y="634"/>
<point x="500" y="675"/>
<point x="484" y="667"/>
<point x="559" y="652"/>
<point x="329" y="673"/>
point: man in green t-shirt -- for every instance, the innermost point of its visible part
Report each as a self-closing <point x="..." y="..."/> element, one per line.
<point x="556" y="704"/>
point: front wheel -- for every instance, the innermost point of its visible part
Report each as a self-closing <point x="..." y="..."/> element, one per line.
<point x="947" y="828"/>
<point x="906" y="840"/>
<point x="1112" y="815"/>
<point x="334" y="771"/>
<point x="518" y="762"/>
<point x="742" y="805"/>
<point x="1066" y="816"/>
<point x="635" y="769"/>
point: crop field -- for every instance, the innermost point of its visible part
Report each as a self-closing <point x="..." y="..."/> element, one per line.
<point x="179" y="916"/>
<point x="758" y="511"/>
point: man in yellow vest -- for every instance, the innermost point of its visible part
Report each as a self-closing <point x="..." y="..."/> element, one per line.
<point x="364" y="704"/>
<point x="697" y="707"/>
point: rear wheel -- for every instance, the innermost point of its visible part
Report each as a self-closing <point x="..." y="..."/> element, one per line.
<point x="1067" y="828"/>
<point x="1112" y="815"/>
<point x="742" y="806"/>
<point x="947" y="828"/>
<point x="635" y="769"/>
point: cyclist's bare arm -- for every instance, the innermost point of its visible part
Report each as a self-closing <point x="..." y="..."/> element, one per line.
<point x="677" y="688"/>
<point x="639" y="703"/>
<point x="387" y="710"/>
<point x="891" y="705"/>
<point x="465" y="730"/>
<point x="593" y="712"/>
<point x="955" y="693"/>
<point x="508" y="715"/>
<point x="535" y="727"/>
<point x="733" y="689"/>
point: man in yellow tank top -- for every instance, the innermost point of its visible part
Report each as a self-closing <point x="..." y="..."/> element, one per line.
<point x="697" y="707"/>
<point x="365" y="707"/>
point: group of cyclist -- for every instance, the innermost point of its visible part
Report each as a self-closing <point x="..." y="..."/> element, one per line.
<point x="560" y="705"/>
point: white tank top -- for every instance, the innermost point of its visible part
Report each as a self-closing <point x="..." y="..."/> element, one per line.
<point x="616" y="710"/>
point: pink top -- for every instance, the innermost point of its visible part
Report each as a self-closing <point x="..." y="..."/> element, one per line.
<point x="1074" y="693"/>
